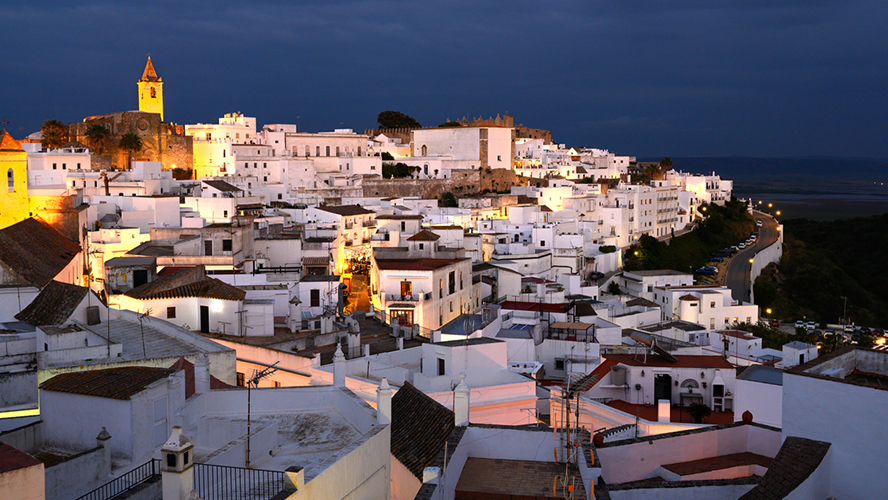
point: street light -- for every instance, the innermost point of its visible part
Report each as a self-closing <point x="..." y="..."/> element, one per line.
<point x="768" y="311"/>
<point x="778" y="212"/>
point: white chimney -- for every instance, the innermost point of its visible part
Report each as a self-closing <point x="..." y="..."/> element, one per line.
<point x="461" y="402"/>
<point x="177" y="466"/>
<point x="338" y="367"/>
<point x="664" y="411"/>
<point x="384" y="403"/>
<point x="202" y="374"/>
<point x="102" y="442"/>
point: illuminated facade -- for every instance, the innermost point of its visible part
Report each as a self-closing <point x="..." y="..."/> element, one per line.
<point x="14" y="197"/>
<point x="151" y="91"/>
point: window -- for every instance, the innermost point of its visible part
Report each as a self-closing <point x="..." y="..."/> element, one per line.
<point x="317" y="151"/>
<point x="440" y="367"/>
<point x="54" y="166"/>
<point x="337" y="150"/>
<point x="315" y="298"/>
<point x="451" y="306"/>
<point x="328" y="150"/>
<point x="265" y="165"/>
<point x="712" y="305"/>
<point x="264" y="178"/>
<point x="277" y="384"/>
<point x="225" y="213"/>
<point x="542" y="243"/>
<point x="559" y="364"/>
<point x="226" y="245"/>
<point x="209" y="136"/>
<point x="403" y="226"/>
<point x="171" y="312"/>
<point x="280" y="196"/>
<point x="78" y="166"/>
<point x="452" y="283"/>
<point x="499" y="158"/>
<point x="10" y="181"/>
<point x="241" y="380"/>
<point x="255" y="165"/>
<point x="420" y="246"/>
<point x="440" y="289"/>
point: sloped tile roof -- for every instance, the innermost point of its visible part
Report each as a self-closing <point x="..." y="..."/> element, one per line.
<point x="209" y="288"/>
<point x="414" y="264"/>
<point x="7" y="143"/>
<point x="36" y="251"/>
<point x="54" y="305"/>
<point x="346" y="210"/>
<point x="187" y="282"/>
<point x="223" y="186"/>
<point x="424" y="235"/>
<point x="797" y="459"/>
<point x="114" y="383"/>
<point x="149" y="75"/>
<point x="420" y="426"/>
<point x="188" y="367"/>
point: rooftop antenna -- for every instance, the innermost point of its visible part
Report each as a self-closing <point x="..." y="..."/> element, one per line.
<point x="254" y="381"/>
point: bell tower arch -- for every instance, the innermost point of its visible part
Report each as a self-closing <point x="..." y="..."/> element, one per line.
<point x="151" y="91"/>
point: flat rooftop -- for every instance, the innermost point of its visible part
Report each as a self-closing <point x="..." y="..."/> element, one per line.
<point x="720" y="462"/>
<point x="498" y="479"/>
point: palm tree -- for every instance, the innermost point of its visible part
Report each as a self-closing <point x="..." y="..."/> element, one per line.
<point x="55" y="134"/>
<point x="97" y="135"/>
<point x="130" y="142"/>
<point x="699" y="411"/>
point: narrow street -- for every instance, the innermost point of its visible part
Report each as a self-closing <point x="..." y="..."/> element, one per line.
<point x="739" y="268"/>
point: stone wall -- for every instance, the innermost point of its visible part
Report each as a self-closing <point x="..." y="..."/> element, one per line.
<point x="161" y="141"/>
<point x="394" y="133"/>
<point x="461" y="183"/>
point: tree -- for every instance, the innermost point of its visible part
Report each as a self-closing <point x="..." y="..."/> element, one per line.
<point x="396" y="119"/>
<point x="614" y="288"/>
<point x="55" y="134"/>
<point x="131" y="143"/>
<point x="699" y="411"/>
<point x="97" y="134"/>
<point x="448" y="199"/>
<point x="386" y="156"/>
<point x="450" y="124"/>
<point x="665" y="164"/>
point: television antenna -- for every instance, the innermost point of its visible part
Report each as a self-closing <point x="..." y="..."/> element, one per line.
<point x="254" y="381"/>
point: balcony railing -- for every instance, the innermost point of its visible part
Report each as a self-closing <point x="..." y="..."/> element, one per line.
<point x="395" y="297"/>
<point x="126" y="482"/>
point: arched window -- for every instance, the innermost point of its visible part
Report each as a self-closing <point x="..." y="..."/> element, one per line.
<point x="425" y="150"/>
<point x="307" y="151"/>
<point x="317" y="151"/>
<point x="10" y="179"/>
<point x="359" y="150"/>
<point x="328" y="150"/>
<point x="153" y="93"/>
<point x="425" y="169"/>
<point x="337" y="150"/>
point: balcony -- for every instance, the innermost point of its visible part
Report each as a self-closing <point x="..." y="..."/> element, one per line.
<point x="396" y="297"/>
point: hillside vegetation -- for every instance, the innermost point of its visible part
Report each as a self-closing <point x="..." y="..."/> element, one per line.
<point x="825" y="261"/>
<point x="723" y="227"/>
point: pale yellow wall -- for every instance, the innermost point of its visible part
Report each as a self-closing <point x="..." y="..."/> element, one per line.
<point x="14" y="205"/>
<point x="146" y="102"/>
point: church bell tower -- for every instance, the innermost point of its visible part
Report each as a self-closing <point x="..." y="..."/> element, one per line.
<point x="151" y="91"/>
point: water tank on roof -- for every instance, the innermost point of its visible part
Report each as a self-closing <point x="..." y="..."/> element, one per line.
<point x="618" y="375"/>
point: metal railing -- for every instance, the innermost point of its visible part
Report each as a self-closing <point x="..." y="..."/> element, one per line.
<point x="222" y="482"/>
<point x="126" y="482"/>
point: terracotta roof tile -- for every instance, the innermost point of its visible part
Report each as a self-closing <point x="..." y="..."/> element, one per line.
<point x="7" y="143"/>
<point x="424" y="235"/>
<point x="12" y="458"/>
<point x="683" y="361"/>
<point x="187" y="282"/>
<point x="414" y="264"/>
<point x="36" y="251"/>
<point x="54" y="305"/>
<point x="223" y="186"/>
<point x="149" y="75"/>
<point x="346" y="210"/>
<point x="797" y="459"/>
<point x="420" y="426"/>
<point x="114" y="383"/>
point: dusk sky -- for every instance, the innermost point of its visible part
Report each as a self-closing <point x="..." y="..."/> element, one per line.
<point x="645" y="78"/>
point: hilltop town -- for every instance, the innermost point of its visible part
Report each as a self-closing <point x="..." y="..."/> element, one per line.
<point x="469" y="310"/>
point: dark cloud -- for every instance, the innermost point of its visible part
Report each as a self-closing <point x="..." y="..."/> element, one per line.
<point x="683" y="78"/>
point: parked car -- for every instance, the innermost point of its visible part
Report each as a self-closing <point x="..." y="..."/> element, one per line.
<point x="706" y="270"/>
<point x="811" y="325"/>
<point x="758" y="223"/>
<point x="849" y="329"/>
<point x="716" y="259"/>
<point x="596" y="275"/>
<point x="800" y="324"/>
<point x="878" y="332"/>
<point x="864" y="330"/>
<point x="741" y="246"/>
<point x="774" y="322"/>
<point x="734" y="249"/>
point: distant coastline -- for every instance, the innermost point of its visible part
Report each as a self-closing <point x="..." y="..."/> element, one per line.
<point x="813" y="188"/>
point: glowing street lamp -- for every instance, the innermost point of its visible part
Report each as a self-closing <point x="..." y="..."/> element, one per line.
<point x="768" y="311"/>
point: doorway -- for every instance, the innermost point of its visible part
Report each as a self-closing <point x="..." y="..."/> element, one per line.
<point x="208" y="248"/>
<point x="140" y="277"/>
<point x="662" y="387"/>
<point x="204" y="319"/>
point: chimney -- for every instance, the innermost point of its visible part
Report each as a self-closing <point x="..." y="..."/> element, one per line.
<point x="102" y="442"/>
<point x="295" y="478"/>
<point x="461" y="402"/>
<point x="338" y="367"/>
<point x="201" y="374"/>
<point x="384" y="403"/>
<point x="177" y="466"/>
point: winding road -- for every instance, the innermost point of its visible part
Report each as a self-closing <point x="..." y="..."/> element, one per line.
<point x="739" y="268"/>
